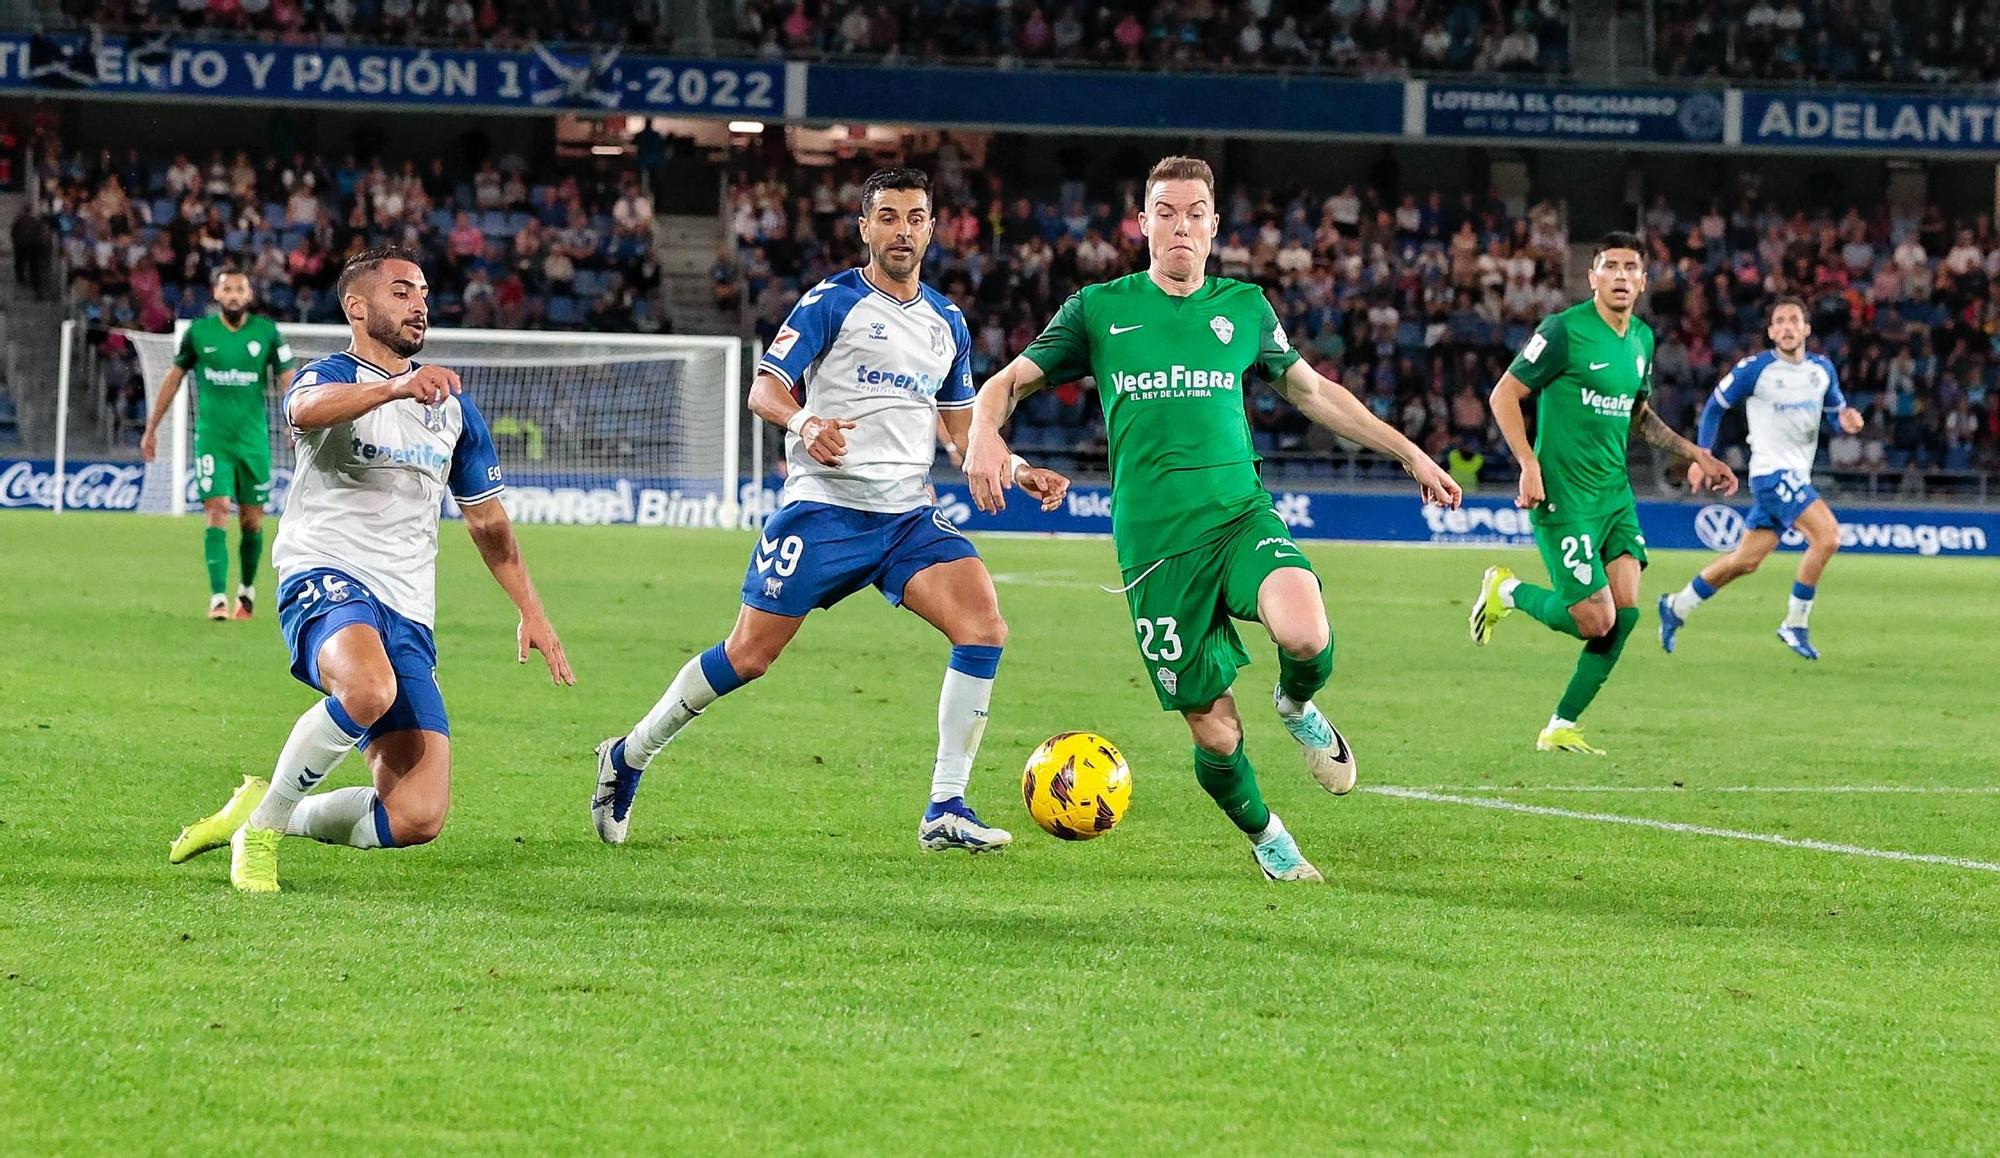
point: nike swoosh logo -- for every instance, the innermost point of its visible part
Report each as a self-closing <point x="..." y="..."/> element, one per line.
<point x="1127" y="329"/>
<point x="1343" y="756"/>
<point x="1600" y="365"/>
<point x="1284" y="555"/>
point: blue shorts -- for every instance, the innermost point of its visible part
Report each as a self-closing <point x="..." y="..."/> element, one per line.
<point x="816" y="554"/>
<point x="317" y="603"/>
<point x="1780" y="499"/>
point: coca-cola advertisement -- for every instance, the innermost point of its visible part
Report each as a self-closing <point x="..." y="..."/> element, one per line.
<point x="88" y="486"/>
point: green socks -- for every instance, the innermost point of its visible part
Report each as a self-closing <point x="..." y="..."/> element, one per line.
<point x="1599" y="656"/>
<point x="1546" y="607"/>
<point x="249" y="553"/>
<point x="215" y="550"/>
<point x="1232" y="782"/>
<point x="1301" y="679"/>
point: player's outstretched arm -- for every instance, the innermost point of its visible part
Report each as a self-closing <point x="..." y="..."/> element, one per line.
<point x="986" y="455"/>
<point x="1331" y="405"/>
<point x="1505" y="400"/>
<point x="825" y="438"/>
<point x="493" y="534"/>
<point x="1703" y="468"/>
<point x="325" y="404"/>
<point x="1046" y="486"/>
<point x="149" y="442"/>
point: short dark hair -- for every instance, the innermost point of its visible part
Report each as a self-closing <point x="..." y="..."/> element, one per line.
<point x="883" y="180"/>
<point x="1791" y="300"/>
<point x="1617" y="239"/>
<point x="222" y="271"/>
<point x="368" y="261"/>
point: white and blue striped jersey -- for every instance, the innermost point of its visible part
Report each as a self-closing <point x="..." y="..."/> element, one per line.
<point x="1785" y="404"/>
<point x="850" y="350"/>
<point x="366" y="494"/>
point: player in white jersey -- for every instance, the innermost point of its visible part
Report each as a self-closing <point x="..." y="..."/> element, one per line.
<point x="865" y="367"/>
<point x="1786" y="395"/>
<point x="380" y="441"/>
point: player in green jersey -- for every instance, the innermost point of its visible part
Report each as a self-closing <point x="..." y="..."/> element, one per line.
<point x="233" y="356"/>
<point x="1198" y="541"/>
<point x="1589" y="370"/>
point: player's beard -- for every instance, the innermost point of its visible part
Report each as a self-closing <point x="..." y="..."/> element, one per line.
<point x="235" y="317"/>
<point x="390" y="334"/>
<point x="898" y="267"/>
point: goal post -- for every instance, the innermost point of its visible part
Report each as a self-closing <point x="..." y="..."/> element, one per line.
<point x="591" y="428"/>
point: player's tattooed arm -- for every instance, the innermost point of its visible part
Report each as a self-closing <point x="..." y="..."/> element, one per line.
<point x="1701" y="467"/>
<point x="1333" y="406"/>
<point x="986" y="454"/>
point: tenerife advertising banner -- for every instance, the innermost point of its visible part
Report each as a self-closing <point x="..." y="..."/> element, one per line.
<point x="567" y="500"/>
<point x="537" y="79"/>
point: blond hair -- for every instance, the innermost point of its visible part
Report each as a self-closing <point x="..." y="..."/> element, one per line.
<point x="1182" y="169"/>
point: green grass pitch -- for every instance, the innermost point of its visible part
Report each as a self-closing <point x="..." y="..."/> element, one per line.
<point x="771" y="964"/>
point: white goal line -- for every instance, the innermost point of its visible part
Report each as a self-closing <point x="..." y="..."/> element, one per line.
<point x="1750" y="789"/>
<point x="1770" y="838"/>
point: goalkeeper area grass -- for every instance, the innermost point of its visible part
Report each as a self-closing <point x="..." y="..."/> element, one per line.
<point x="1791" y="944"/>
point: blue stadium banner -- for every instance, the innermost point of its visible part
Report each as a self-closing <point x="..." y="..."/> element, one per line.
<point x="565" y="500"/>
<point x="1914" y="123"/>
<point x="1649" y="116"/>
<point x="534" y="80"/>
<point x="1084" y="100"/>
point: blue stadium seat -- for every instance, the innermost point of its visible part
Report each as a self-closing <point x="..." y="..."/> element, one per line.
<point x="564" y="311"/>
<point x="442" y="220"/>
<point x="163" y="211"/>
<point x="493" y="223"/>
<point x="1264" y="442"/>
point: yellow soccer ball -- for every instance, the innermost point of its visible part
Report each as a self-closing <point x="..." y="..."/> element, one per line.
<point x="1077" y="786"/>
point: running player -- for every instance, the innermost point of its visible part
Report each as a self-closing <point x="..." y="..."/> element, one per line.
<point x="866" y="366"/>
<point x="380" y="440"/>
<point x="1787" y="395"/>
<point x="1589" y="369"/>
<point x="1198" y="541"/>
<point x="233" y="355"/>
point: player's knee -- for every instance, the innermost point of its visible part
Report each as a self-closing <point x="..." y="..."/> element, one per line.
<point x="1594" y="621"/>
<point x="416" y="823"/>
<point x="1218" y="734"/>
<point x="989" y="630"/>
<point x="253" y="522"/>
<point x="751" y="663"/>
<point x="367" y="701"/>
<point x="1748" y="564"/>
<point x="1303" y="641"/>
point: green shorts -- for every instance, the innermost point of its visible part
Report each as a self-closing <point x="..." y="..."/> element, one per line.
<point x="1182" y="606"/>
<point x="1575" y="548"/>
<point x="231" y="472"/>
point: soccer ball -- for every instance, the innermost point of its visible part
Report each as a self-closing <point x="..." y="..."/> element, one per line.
<point x="1077" y="786"/>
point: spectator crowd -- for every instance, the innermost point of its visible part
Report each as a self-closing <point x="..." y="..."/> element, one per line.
<point x="1907" y="307"/>
<point x="1415" y="301"/>
<point x="139" y="240"/>
<point x="1865" y="41"/>
<point x="459" y="23"/>
<point x="1353" y="36"/>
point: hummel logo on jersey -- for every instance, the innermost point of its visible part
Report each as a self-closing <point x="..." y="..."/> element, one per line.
<point x="1618" y="406"/>
<point x="767" y="550"/>
<point x="813" y="295"/>
<point x="1600" y="365"/>
<point x="1115" y="330"/>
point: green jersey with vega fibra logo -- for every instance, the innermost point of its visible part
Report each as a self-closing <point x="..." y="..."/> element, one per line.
<point x="1171" y="373"/>
<point x="1587" y="378"/>
<point x="232" y="370"/>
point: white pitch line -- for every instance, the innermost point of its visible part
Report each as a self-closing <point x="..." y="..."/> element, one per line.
<point x="1688" y="829"/>
<point x="1758" y="789"/>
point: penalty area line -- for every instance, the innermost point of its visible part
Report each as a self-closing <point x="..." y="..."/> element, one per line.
<point x="1770" y="838"/>
<point x="1748" y="789"/>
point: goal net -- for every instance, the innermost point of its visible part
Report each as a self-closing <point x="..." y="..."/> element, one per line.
<point x="591" y="428"/>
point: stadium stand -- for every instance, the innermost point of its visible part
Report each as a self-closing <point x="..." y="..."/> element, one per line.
<point x="1416" y="303"/>
<point x="1907" y="308"/>
<point x="1870" y="41"/>
<point x="1346" y="36"/>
